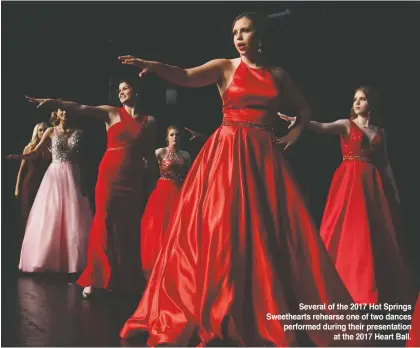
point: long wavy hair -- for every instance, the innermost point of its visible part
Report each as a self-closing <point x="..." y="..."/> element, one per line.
<point x="35" y="139"/>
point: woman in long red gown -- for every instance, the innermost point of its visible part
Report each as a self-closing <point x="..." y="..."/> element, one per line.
<point x="120" y="193"/>
<point x="241" y="245"/>
<point x="360" y="224"/>
<point x="31" y="172"/>
<point x="414" y="339"/>
<point x="173" y="165"/>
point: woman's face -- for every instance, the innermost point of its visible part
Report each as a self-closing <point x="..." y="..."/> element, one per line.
<point x="41" y="130"/>
<point x="174" y="137"/>
<point x="125" y="92"/>
<point x="244" y="36"/>
<point x="61" y="114"/>
<point x="360" y="103"/>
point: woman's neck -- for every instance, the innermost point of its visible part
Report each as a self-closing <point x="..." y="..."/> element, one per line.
<point x="63" y="125"/>
<point x="363" y="120"/>
<point x="251" y="60"/>
<point x="173" y="148"/>
<point x="133" y="110"/>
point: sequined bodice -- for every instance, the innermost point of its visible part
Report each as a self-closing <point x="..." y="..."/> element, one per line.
<point x="252" y="96"/>
<point x="173" y="167"/>
<point x="357" y="145"/>
<point x="65" y="148"/>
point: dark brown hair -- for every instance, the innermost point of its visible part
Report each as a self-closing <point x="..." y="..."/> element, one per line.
<point x="372" y="98"/>
<point x="259" y="22"/>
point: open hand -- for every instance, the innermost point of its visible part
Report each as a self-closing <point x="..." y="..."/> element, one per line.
<point x="286" y="118"/>
<point x="194" y="135"/>
<point x="289" y="139"/>
<point x="40" y="101"/>
<point x="13" y="157"/>
<point x="144" y="65"/>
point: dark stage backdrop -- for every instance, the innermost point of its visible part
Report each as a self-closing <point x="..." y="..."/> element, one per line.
<point x="69" y="50"/>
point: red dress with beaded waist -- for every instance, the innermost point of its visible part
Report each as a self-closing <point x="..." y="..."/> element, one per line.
<point x="113" y="251"/>
<point x="358" y="227"/>
<point x="160" y="207"/>
<point x="241" y="243"/>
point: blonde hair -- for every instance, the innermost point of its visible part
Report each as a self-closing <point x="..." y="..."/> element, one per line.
<point x="35" y="140"/>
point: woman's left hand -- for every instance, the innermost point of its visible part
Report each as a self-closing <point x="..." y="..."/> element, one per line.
<point x="290" y="138"/>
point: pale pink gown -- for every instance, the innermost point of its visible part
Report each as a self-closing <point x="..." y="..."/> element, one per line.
<point x="57" y="230"/>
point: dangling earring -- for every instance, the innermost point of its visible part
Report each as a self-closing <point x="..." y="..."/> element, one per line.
<point x="259" y="47"/>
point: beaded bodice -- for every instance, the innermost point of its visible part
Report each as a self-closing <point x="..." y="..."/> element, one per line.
<point x="64" y="147"/>
<point x="357" y="145"/>
<point x="173" y="166"/>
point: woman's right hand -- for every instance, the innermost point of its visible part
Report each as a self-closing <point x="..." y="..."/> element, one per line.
<point x="14" y="157"/>
<point x="194" y="134"/>
<point x="286" y="118"/>
<point x="146" y="66"/>
<point x="40" y="101"/>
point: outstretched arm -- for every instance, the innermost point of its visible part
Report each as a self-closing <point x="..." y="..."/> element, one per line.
<point x="38" y="149"/>
<point x="103" y="112"/>
<point x="203" y="75"/>
<point x="337" y="127"/>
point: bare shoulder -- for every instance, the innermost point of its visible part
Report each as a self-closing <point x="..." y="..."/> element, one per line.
<point x="344" y="124"/>
<point x="279" y="73"/>
<point x="151" y="123"/>
<point x="185" y="154"/>
<point x="49" y="131"/>
<point x="151" y="119"/>
<point x="343" y="121"/>
<point x="113" y="111"/>
<point x="160" y="152"/>
<point x="233" y="63"/>
<point x="221" y="62"/>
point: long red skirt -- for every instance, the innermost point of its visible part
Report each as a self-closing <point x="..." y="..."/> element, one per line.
<point x="159" y="210"/>
<point x="414" y="340"/>
<point x="113" y="251"/>
<point x="358" y="229"/>
<point x="240" y="248"/>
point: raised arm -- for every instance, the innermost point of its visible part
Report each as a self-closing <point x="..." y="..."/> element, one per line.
<point x="203" y="75"/>
<point x="104" y="113"/>
<point x="19" y="175"/>
<point x="38" y="149"/>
